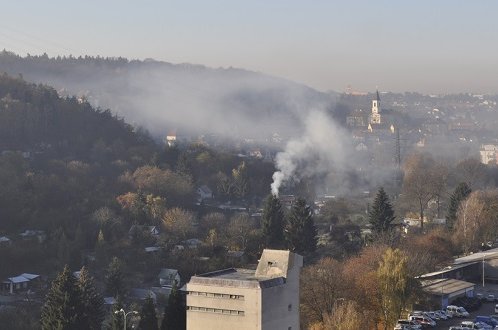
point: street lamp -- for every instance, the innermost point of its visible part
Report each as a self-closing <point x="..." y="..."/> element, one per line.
<point x="125" y="315"/>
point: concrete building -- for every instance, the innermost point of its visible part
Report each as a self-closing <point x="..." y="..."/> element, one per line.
<point x="261" y="299"/>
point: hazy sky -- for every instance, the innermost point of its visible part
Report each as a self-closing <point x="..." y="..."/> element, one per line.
<point x="425" y="45"/>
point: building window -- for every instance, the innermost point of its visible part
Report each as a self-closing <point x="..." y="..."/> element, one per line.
<point x="216" y="310"/>
<point x="217" y="295"/>
<point x="289" y="308"/>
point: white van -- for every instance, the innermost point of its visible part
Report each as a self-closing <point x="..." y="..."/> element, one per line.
<point x="457" y="311"/>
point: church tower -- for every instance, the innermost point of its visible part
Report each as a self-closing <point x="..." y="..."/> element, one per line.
<point x="375" y="116"/>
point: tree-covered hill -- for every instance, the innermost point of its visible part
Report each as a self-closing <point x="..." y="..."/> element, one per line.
<point x="191" y="99"/>
<point x="59" y="158"/>
<point x="33" y="117"/>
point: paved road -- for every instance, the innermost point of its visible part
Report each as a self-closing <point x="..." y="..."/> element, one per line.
<point x="486" y="309"/>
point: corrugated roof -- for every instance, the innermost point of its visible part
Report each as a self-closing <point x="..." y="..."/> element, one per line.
<point x="446" y="270"/>
<point x="445" y="286"/>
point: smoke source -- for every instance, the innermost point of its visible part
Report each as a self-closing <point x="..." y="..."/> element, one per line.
<point x="320" y="149"/>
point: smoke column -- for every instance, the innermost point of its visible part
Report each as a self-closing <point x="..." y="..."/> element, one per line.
<point x="322" y="147"/>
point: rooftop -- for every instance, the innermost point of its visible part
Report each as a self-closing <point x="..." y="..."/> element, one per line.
<point x="445" y="286"/>
<point x="272" y="270"/>
<point x="478" y="256"/>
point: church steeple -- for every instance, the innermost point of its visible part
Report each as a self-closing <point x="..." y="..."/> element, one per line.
<point x="375" y="116"/>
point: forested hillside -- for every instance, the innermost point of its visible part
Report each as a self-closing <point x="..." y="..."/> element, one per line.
<point x="192" y="99"/>
<point x="59" y="156"/>
<point x="73" y="171"/>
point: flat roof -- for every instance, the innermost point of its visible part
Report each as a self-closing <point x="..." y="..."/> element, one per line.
<point x="446" y="270"/>
<point x="236" y="277"/>
<point x="445" y="286"/>
<point x="478" y="256"/>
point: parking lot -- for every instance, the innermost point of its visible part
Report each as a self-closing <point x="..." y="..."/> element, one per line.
<point x="487" y="308"/>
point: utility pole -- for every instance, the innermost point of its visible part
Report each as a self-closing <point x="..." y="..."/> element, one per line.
<point x="483" y="271"/>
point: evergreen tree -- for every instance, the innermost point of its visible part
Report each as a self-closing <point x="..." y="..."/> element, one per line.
<point x="273" y="223"/>
<point x="462" y="191"/>
<point x="148" y="318"/>
<point x="174" y="317"/>
<point x="91" y="300"/>
<point x="381" y="215"/>
<point x="117" y="321"/>
<point x="62" y="308"/>
<point x="114" y="280"/>
<point x="300" y="232"/>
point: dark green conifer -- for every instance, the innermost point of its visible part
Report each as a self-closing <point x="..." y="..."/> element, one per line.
<point x="114" y="279"/>
<point x="92" y="301"/>
<point x="148" y="318"/>
<point x="462" y="191"/>
<point x="300" y="232"/>
<point x="62" y="309"/>
<point x="381" y="214"/>
<point x="273" y="223"/>
<point x="174" y="317"/>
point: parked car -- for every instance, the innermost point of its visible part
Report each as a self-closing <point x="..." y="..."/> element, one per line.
<point x="433" y="316"/>
<point x="457" y="311"/>
<point x="422" y="313"/>
<point x="448" y="315"/>
<point x="402" y="327"/>
<point x="496" y="308"/>
<point x="475" y="325"/>
<point x="441" y="315"/>
<point x="412" y="325"/>
<point x="487" y="319"/>
<point x="423" y="320"/>
<point x="490" y="297"/>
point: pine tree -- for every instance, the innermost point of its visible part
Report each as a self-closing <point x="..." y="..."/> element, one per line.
<point x="117" y="321"/>
<point x="300" y="232"/>
<point x="462" y="191"/>
<point x="381" y="215"/>
<point x="62" y="308"/>
<point x="114" y="279"/>
<point x="273" y="223"/>
<point x="148" y="318"/>
<point x="92" y="301"/>
<point x="174" y="317"/>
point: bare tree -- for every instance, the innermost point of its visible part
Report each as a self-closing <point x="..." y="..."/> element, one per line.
<point x="424" y="181"/>
<point x="476" y="218"/>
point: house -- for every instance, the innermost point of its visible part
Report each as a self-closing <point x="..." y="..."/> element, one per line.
<point x="488" y="154"/>
<point x="261" y="299"/>
<point x="151" y="230"/>
<point x="152" y="249"/>
<point x="171" y="138"/>
<point x="142" y="294"/>
<point x="192" y="243"/>
<point x="4" y="241"/>
<point x="21" y="282"/>
<point x="31" y="234"/>
<point x="109" y="302"/>
<point x="203" y="192"/>
<point x="167" y="277"/>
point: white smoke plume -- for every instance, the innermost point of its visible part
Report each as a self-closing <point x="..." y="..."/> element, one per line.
<point x="322" y="147"/>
